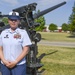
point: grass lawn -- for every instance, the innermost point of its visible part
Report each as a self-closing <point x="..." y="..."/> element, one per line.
<point x="58" y="60"/>
<point x="65" y="37"/>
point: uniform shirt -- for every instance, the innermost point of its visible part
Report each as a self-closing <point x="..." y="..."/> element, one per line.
<point x="12" y="47"/>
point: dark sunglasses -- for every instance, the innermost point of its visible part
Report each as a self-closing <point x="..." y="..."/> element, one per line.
<point x="13" y="20"/>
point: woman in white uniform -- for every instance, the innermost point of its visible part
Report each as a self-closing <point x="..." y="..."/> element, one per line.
<point x="14" y="46"/>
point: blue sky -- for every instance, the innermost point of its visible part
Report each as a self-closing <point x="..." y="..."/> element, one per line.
<point x="57" y="16"/>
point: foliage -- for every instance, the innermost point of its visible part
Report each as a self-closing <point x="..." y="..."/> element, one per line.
<point x="5" y="20"/>
<point x="64" y="27"/>
<point x="52" y="27"/>
<point x="72" y="20"/>
<point x="69" y="27"/>
<point x="40" y="20"/>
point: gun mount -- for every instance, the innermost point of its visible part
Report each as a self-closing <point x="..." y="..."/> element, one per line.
<point x="27" y="22"/>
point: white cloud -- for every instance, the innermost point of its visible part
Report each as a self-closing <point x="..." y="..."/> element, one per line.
<point x="13" y="2"/>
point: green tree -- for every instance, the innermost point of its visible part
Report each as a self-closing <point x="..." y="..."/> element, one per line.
<point x="72" y="19"/>
<point x="40" y="20"/>
<point x="64" y="27"/>
<point x="69" y="27"/>
<point x="52" y="27"/>
<point x="5" y="20"/>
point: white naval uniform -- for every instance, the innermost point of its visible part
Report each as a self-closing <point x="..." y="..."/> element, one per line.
<point x="12" y="47"/>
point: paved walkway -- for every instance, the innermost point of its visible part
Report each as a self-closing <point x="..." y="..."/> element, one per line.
<point x="61" y="44"/>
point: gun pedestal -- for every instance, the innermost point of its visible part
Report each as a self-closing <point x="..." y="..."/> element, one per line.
<point x="32" y="61"/>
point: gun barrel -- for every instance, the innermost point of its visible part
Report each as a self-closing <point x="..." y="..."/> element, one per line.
<point x="48" y="10"/>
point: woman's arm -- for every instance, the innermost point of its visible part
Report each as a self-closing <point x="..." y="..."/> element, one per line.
<point x="23" y="54"/>
<point x="5" y="62"/>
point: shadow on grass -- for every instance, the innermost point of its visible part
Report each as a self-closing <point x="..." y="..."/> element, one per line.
<point x="71" y="35"/>
<point x="44" y="54"/>
<point x="43" y="38"/>
<point x="41" y="56"/>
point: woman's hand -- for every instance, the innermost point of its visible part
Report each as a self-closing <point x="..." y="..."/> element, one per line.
<point x="6" y="62"/>
<point x="12" y="64"/>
